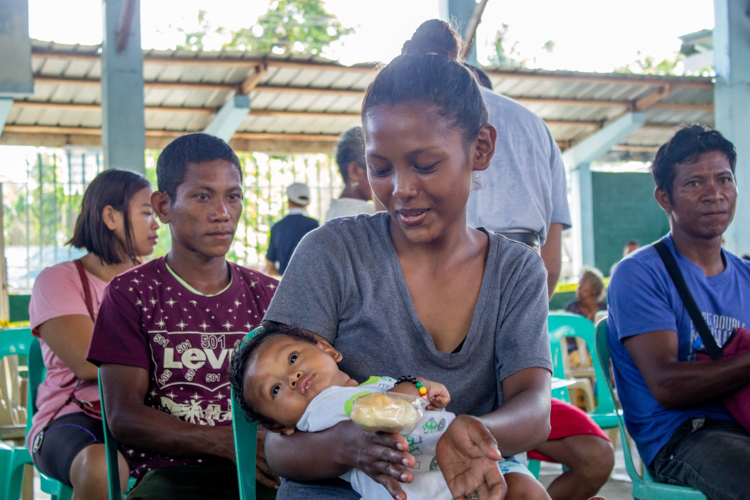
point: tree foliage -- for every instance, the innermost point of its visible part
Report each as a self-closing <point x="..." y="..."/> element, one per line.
<point x="194" y="39"/>
<point x="510" y="56"/>
<point x="649" y="66"/>
<point x="291" y="27"/>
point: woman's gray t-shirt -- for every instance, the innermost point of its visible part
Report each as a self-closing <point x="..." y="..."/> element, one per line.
<point x="345" y="283"/>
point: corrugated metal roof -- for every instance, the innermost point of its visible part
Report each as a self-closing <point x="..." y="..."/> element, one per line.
<point x="319" y="99"/>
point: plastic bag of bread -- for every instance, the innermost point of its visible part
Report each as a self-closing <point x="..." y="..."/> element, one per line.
<point x="388" y="412"/>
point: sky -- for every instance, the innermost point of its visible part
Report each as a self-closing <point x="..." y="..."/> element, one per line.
<point x="588" y="35"/>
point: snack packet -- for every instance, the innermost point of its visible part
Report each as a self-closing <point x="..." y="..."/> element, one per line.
<point x="388" y="412"/>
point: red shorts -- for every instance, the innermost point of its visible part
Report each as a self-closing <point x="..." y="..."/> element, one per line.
<point x="567" y="420"/>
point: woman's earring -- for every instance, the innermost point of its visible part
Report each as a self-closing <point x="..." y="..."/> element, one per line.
<point x="355" y="184"/>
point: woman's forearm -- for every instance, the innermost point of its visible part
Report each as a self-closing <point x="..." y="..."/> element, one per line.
<point x="307" y="456"/>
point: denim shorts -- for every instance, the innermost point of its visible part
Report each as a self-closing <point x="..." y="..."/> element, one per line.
<point x="711" y="455"/>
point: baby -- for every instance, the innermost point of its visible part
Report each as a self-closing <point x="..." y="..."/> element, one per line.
<point x="287" y="380"/>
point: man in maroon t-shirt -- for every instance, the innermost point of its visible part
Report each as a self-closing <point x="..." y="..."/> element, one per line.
<point x="167" y="329"/>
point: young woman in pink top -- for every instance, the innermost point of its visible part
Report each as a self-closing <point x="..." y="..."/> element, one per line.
<point x="117" y="227"/>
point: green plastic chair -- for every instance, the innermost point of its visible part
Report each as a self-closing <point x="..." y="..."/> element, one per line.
<point x="111" y="444"/>
<point x="560" y="326"/>
<point x="245" y="440"/>
<point x="13" y="459"/>
<point x="54" y="488"/>
<point x="644" y="488"/>
<point x="563" y="325"/>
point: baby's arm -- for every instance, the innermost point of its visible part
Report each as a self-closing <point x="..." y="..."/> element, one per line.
<point x="437" y="394"/>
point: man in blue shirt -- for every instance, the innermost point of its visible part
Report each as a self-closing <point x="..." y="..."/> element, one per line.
<point x="287" y="233"/>
<point x="672" y="402"/>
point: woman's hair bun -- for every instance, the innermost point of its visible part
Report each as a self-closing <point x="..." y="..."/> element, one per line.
<point x="434" y="37"/>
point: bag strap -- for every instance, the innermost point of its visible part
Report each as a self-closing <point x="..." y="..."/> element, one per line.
<point x="687" y="298"/>
<point x="86" y="289"/>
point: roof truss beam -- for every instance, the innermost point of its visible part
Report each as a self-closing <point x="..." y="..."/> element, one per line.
<point x="289" y="114"/>
<point x="254" y="79"/>
<point x="194" y="59"/>
<point x="650" y="100"/>
<point x="42" y="129"/>
<point x="230" y="87"/>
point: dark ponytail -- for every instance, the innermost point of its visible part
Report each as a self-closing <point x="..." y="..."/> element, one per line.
<point x="429" y="71"/>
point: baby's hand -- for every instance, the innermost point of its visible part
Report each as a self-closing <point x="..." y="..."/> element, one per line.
<point x="437" y="394"/>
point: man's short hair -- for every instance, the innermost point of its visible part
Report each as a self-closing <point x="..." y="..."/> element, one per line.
<point x="687" y="146"/>
<point x="245" y="351"/>
<point x="186" y="149"/>
<point x="482" y="78"/>
<point x="350" y="148"/>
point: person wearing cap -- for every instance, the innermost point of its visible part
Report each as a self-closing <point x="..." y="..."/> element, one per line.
<point x="287" y="233"/>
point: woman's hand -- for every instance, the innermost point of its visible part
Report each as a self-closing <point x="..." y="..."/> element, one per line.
<point x="381" y="456"/>
<point x="467" y="455"/>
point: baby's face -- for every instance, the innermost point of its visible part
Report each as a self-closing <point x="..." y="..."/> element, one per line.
<point x="285" y="374"/>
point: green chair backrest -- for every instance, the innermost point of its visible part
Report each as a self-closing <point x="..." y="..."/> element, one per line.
<point x="15" y="341"/>
<point x="245" y="441"/>
<point x="563" y="325"/>
<point x="602" y="353"/>
<point x="37" y="372"/>
<point x="644" y="488"/>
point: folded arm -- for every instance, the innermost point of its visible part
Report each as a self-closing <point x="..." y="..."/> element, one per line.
<point x="684" y="384"/>
<point x="148" y="429"/>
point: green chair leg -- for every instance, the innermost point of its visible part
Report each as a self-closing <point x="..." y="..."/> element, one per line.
<point x="534" y="467"/>
<point x="55" y="489"/>
<point x="11" y="475"/>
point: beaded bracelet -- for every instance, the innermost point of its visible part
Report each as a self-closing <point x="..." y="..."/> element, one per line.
<point x="419" y="385"/>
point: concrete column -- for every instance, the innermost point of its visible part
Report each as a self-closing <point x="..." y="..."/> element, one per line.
<point x="123" y="124"/>
<point x="458" y="12"/>
<point x="732" y="105"/>
<point x="582" y="215"/>
<point x="5" y="104"/>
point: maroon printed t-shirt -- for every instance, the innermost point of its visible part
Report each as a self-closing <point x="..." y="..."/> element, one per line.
<point x="148" y="319"/>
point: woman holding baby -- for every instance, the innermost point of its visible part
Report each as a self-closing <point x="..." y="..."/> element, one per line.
<point x="415" y="291"/>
